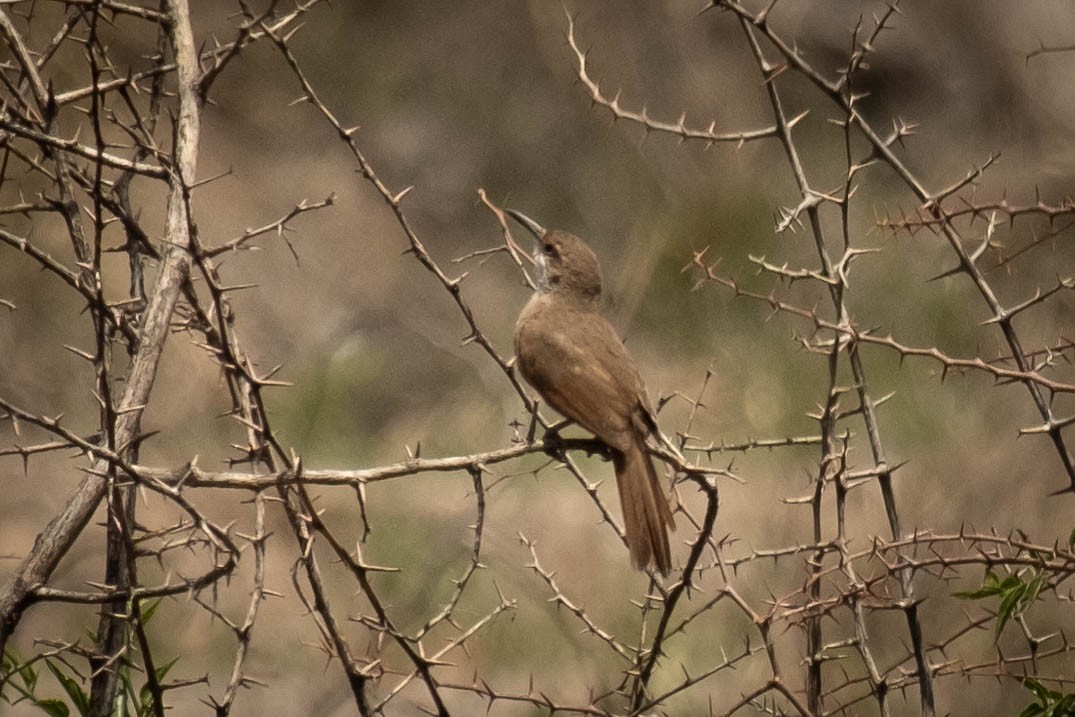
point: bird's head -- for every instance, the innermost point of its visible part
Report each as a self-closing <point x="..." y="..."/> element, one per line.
<point x="566" y="265"/>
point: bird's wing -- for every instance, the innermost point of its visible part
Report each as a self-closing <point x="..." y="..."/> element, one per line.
<point x="586" y="374"/>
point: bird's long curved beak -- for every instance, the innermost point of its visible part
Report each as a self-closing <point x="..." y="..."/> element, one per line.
<point x="536" y="229"/>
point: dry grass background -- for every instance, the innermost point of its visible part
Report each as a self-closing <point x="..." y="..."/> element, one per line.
<point x="456" y="96"/>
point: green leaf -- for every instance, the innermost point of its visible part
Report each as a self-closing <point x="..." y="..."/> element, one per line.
<point x="1015" y="594"/>
<point x="1036" y="687"/>
<point x="145" y="696"/>
<point x="13" y="661"/>
<point x="1050" y="702"/>
<point x="71" y="686"/>
<point x="1033" y="588"/>
<point x="148" y="609"/>
<point x="1009" y="605"/>
<point x="55" y="708"/>
<point x="990" y="587"/>
<point x="29" y="676"/>
<point x="163" y="670"/>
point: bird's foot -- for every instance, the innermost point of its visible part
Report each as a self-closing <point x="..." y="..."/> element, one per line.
<point x="600" y="449"/>
<point x="553" y="444"/>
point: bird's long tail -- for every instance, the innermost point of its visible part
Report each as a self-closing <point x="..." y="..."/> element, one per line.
<point x="646" y="515"/>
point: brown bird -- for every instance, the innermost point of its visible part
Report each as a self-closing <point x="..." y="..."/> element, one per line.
<point x="570" y="353"/>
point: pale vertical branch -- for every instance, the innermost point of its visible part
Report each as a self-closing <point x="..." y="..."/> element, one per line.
<point x="57" y="537"/>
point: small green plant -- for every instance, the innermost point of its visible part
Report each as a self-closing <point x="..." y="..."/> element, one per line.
<point x="23" y="680"/>
<point x="22" y="677"/>
<point x="1050" y="702"/>
<point x="1015" y="591"/>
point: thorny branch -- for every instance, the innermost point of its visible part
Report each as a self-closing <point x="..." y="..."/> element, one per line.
<point x="427" y="655"/>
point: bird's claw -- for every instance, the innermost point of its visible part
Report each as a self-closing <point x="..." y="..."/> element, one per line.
<point x="601" y="450"/>
<point x="553" y="444"/>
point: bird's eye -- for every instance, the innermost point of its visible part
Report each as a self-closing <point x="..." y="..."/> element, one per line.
<point x="549" y="248"/>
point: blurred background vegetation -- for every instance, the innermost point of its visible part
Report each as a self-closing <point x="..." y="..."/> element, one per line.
<point x="453" y="96"/>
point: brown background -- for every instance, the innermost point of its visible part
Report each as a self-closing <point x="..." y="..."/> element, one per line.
<point x="456" y="96"/>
